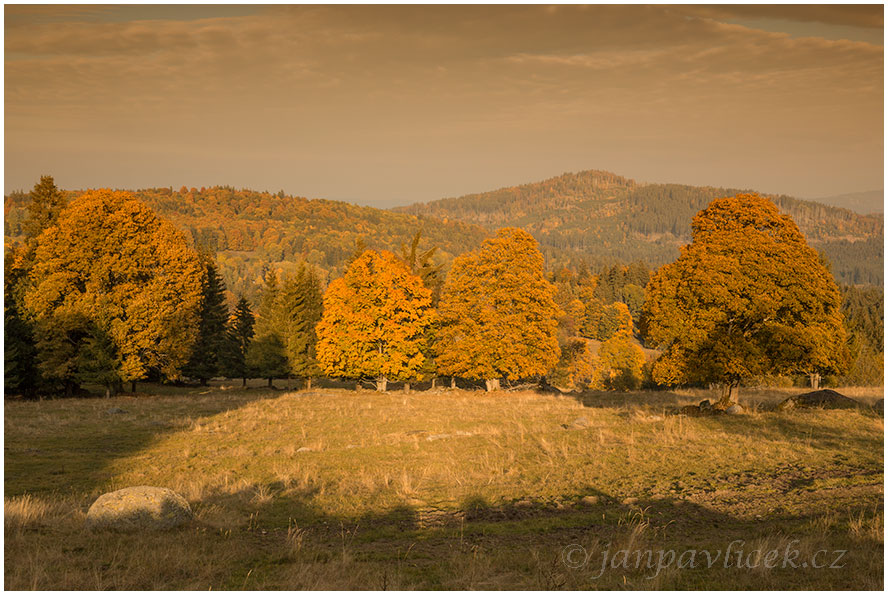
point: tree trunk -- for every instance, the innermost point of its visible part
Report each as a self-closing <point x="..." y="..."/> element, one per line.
<point x="133" y="387"/>
<point x="69" y="389"/>
<point x="406" y="387"/>
<point x="107" y="392"/>
<point x="244" y="385"/>
<point x="492" y="384"/>
<point x="288" y="382"/>
<point x="730" y="393"/>
<point x="203" y="381"/>
<point x="453" y="382"/>
<point x="434" y="380"/>
<point x="815" y="380"/>
<point x="381" y="384"/>
<point x="308" y="383"/>
<point x="270" y="385"/>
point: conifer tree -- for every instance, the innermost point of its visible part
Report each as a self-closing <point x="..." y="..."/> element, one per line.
<point x="498" y="314"/>
<point x="110" y="263"/>
<point x="209" y="349"/>
<point x="46" y="204"/>
<point x="300" y="301"/>
<point x="375" y="321"/>
<point x="747" y="297"/>
<point x="240" y="336"/>
<point x="266" y="356"/>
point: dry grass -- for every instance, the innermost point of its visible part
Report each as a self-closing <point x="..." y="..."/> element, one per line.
<point x="332" y="489"/>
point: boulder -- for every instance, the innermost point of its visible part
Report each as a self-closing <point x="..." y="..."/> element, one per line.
<point x="138" y="508"/>
<point x="735" y="409"/>
<point x="824" y="399"/>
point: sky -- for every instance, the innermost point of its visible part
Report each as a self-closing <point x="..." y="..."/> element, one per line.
<point x="390" y="105"/>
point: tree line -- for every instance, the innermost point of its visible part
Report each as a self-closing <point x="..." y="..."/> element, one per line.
<point x="103" y="291"/>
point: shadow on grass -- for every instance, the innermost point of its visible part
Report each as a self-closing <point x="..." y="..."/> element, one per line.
<point x="74" y="453"/>
<point x="526" y="537"/>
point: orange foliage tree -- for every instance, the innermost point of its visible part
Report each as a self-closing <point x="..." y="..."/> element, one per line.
<point x="498" y="316"/>
<point x="747" y="297"/>
<point x="375" y="321"/>
<point x="110" y="276"/>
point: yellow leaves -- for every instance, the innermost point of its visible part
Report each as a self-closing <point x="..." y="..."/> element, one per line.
<point x="131" y="274"/>
<point x="375" y="320"/>
<point x="743" y="298"/>
<point x="498" y="313"/>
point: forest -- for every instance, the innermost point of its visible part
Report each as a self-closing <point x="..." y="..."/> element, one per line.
<point x="101" y="289"/>
<point x="607" y="218"/>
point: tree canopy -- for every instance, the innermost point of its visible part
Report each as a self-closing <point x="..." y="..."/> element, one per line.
<point x="110" y="274"/>
<point x="747" y="297"/>
<point x="375" y="321"/>
<point x="498" y="314"/>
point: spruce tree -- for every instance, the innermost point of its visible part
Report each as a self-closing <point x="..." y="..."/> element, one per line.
<point x="239" y="337"/>
<point x="209" y="349"/>
<point x="300" y="302"/>
<point x="266" y="356"/>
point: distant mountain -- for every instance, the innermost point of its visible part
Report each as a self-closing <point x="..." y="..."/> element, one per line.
<point x="872" y="201"/>
<point x="602" y="217"/>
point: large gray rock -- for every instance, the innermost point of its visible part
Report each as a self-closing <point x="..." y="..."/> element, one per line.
<point x="825" y="399"/>
<point x="735" y="409"/>
<point x="138" y="508"/>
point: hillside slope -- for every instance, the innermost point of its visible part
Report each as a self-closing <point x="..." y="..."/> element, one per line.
<point x="251" y="230"/>
<point x="605" y="217"/>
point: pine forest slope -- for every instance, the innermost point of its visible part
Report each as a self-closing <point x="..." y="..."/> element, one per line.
<point x="607" y="218"/>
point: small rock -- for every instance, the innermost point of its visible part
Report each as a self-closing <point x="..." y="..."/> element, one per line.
<point x="630" y="500"/>
<point x="138" y="508"/>
<point x="350" y="446"/>
<point x="304" y="449"/>
<point x="116" y="411"/>
<point x="735" y="409"/>
<point x="590" y="500"/>
<point x="581" y="422"/>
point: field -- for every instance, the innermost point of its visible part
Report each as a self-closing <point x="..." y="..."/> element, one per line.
<point x="447" y="489"/>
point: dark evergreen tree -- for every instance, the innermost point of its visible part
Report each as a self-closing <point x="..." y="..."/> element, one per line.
<point x="240" y="336"/>
<point x="43" y="210"/>
<point x="209" y="349"/>
<point x="300" y="304"/>
<point x="266" y="357"/>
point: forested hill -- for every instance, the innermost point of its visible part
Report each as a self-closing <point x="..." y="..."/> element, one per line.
<point x="605" y="218"/>
<point x="251" y="230"/>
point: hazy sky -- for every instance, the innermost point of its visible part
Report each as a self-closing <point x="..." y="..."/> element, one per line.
<point x="391" y="105"/>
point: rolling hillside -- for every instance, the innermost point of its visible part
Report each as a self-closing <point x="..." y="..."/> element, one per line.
<point x="250" y="230"/>
<point x="605" y="218"/>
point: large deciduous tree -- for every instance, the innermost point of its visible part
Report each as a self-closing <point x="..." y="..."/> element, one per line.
<point x="747" y="297"/>
<point x="111" y="276"/>
<point x="498" y="316"/>
<point x="375" y="321"/>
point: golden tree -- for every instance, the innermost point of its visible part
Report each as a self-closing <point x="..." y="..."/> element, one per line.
<point x="110" y="274"/>
<point x="374" y="321"/>
<point x="498" y="314"/>
<point x="747" y="297"/>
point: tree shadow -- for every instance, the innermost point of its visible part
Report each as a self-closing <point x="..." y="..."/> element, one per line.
<point x="62" y="453"/>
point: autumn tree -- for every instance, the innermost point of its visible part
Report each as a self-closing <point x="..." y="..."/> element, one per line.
<point x="375" y="321"/>
<point x="109" y="265"/>
<point x="209" y="348"/>
<point x="747" y="297"/>
<point x="620" y="363"/>
<point x="239" y="337"/>
<point x="498" y="314"/>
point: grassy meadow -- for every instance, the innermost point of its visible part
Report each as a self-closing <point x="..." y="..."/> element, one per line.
<point x="447" y="489"/>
